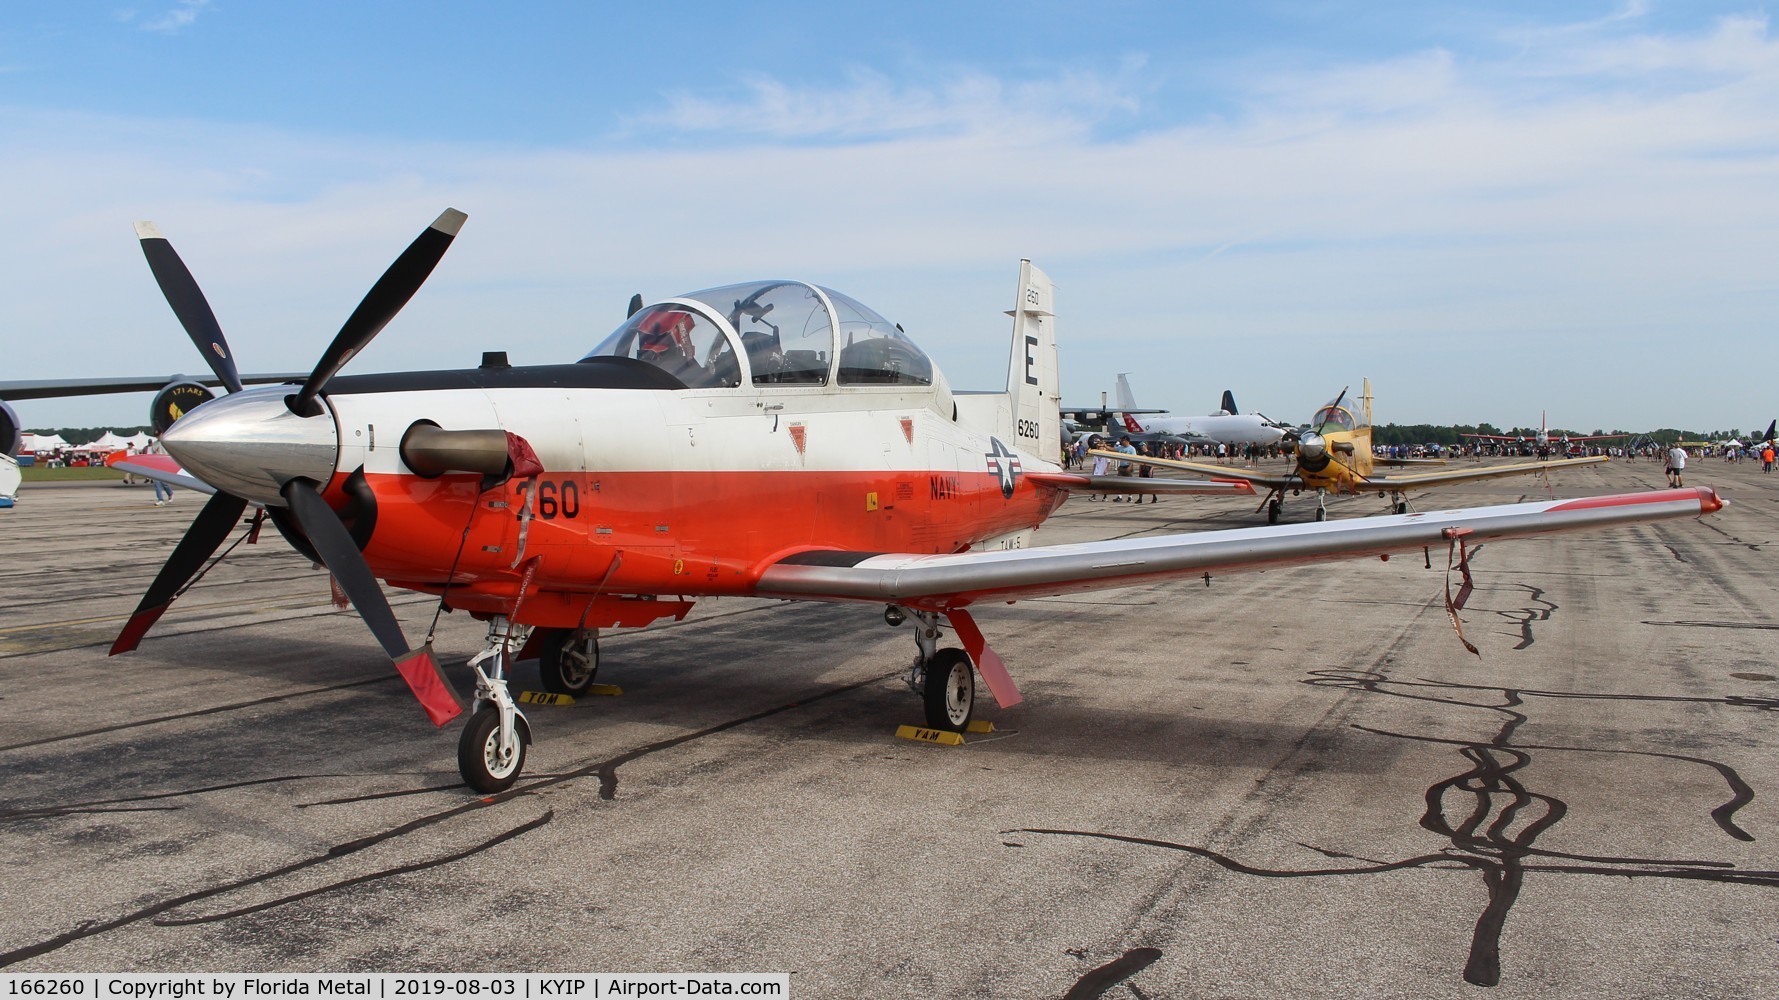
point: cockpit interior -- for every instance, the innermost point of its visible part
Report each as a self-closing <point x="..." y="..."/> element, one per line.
<point x="1334" y="418"/>
<point x="769" y="333"/>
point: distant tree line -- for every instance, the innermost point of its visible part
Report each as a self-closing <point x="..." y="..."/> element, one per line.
<point x="1451" y="434"/>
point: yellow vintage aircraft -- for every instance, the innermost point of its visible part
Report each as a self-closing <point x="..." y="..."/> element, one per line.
<point x="1333" y="455"/>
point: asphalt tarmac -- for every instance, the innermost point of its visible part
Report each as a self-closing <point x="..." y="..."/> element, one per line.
<point x="1291" y="783"/>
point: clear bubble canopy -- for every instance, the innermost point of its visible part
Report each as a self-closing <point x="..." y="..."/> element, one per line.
<point x="769" y="332"/>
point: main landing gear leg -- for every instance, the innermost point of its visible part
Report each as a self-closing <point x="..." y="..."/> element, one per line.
<point x="568" y="661"/>
<point x="945" y="679"/>
<point x="491" y="751"/>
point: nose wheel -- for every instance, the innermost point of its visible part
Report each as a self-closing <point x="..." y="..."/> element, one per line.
<point x="487" y="763"/>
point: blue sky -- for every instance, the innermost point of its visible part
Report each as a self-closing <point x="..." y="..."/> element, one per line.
<point x="1489" y="209"/>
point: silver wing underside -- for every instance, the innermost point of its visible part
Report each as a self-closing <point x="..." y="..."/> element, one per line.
<point x="958" y="580"/>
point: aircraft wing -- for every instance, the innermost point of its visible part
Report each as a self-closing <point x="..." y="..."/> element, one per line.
<point x="1421" y="479"/>
<point x="54" y="388"/>
<point x="1408" y="461"/>
<point x="164" y="468"/>
<point x="1088" y="414"/>
<point x="946" y="582"/>
<point x="1263" y="479"/>
<point x="1135" y="484"/>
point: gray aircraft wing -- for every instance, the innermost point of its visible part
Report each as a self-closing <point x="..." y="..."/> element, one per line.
<point x="56" y="388"/>
<point x="1263" y="479"/>
<point x="1099" y="415"/>
<point x="162" y="468"/>
<point x="1394" y="484"/>
<point x="1422" y="479"/>
<point x="1125" y="485"/>
<point x="955" y="581"/>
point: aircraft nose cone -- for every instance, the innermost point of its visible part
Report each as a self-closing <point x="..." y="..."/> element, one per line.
<point x="1312" y="445"/>
<point x="250" y="444"/>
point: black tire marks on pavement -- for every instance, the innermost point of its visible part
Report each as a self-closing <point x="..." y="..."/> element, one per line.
<point x="1492" y="815"/>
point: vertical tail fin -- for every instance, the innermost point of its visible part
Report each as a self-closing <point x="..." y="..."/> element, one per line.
<point x="1228" y="404"/>
<point x="1034" y="383"/>
<point x="1126" y="399"/>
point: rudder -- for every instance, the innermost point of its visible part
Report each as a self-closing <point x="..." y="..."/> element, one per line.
<point x="1034" y="382"/>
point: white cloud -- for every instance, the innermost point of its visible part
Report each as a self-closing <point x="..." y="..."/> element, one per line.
<point x="1418" y="80"/>
<point x="873" y="106"/>
<point x="1575" y="236"/>
<point x="1734" y="47"/>
<point x="181" y="16"/>
<point x="1546" y="34"/>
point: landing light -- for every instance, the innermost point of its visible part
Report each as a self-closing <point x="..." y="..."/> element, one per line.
<point x="893" y="616"/>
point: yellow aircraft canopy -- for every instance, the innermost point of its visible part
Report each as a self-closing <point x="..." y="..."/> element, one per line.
<point x="1336" y="417"/>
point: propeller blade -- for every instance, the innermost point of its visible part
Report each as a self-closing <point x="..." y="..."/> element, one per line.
<point x="188" y="303"/>
<point x="207" y="531"/>
<point x="635" y="305"/>
<point x="386" y="298"/>
<point x="341" y="556"/>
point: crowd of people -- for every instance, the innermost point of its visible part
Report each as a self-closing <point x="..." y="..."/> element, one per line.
<point x="80" y="457"/>
<point x="1075" y="454"/>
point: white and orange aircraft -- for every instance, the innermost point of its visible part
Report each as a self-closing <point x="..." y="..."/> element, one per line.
<point x="779" y="439"/>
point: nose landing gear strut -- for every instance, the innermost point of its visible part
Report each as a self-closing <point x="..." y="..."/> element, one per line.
<point x="491" y="751"/>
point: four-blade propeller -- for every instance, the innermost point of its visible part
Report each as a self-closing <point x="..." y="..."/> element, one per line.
<point x="320" y="527"/>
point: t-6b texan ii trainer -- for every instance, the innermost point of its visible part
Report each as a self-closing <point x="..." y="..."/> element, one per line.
<point x="779" y="440"/>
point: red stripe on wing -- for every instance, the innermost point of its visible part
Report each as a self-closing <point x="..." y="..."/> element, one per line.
<point x="1709" y="501"/>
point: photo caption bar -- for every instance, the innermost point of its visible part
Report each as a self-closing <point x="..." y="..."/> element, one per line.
<point x="393" y="985"/>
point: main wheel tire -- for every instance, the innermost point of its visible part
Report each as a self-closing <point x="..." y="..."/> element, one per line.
<point x="478" y="752"/>
<point x="1401" y="507"/>
<point x="950" y="690"/>
<point x="568" y="661"/>
<point x="1272" y="513"/>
